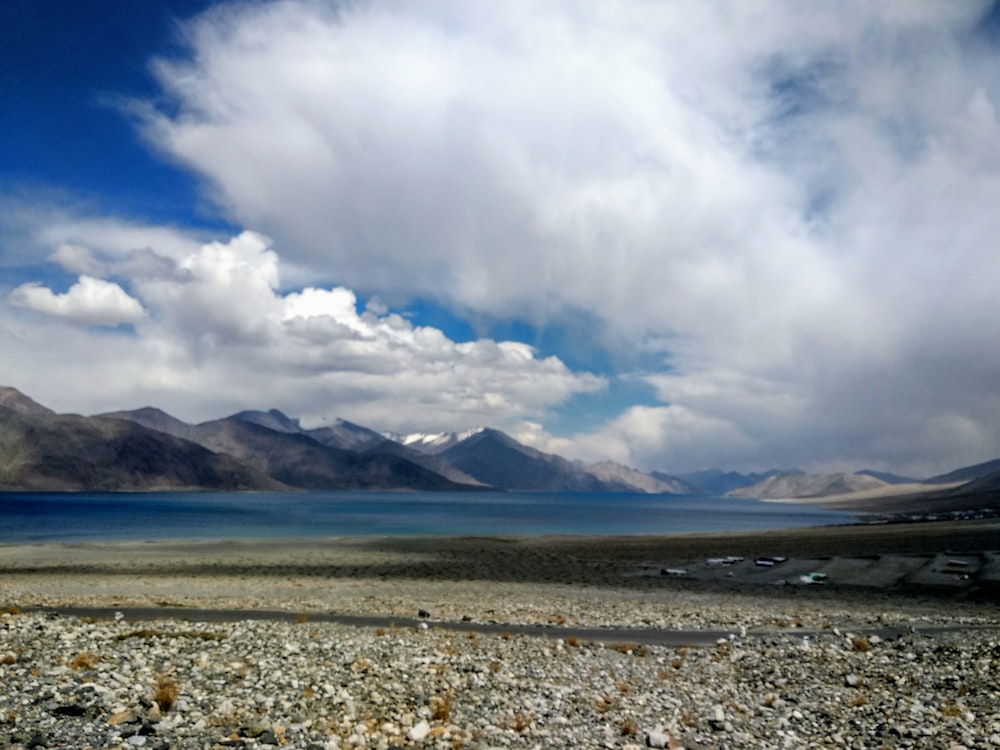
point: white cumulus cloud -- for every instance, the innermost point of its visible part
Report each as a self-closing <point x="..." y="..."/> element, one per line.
<point x="215" y="333"/>
<point x="89" y="301"/>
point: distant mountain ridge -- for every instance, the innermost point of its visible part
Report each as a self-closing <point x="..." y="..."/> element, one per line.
<point x="787" y="486"/>
<point x="148" y="449"/>
<point x="45" y="451"/>
<point x="719" y="482"/>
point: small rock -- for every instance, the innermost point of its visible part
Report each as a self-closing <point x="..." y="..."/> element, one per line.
<point x="419" y="731"/>
<point x="657" y="738"/>
<point x="718" y="718"/>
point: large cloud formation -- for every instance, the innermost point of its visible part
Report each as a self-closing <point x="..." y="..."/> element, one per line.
<point x="213" y="332"/>
<point x="788" y="208"/>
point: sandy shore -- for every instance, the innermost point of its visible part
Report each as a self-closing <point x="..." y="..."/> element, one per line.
<point x="936" y="570"/>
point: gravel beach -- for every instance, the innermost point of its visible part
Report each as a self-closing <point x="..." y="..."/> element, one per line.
<point x="894" y="641"/>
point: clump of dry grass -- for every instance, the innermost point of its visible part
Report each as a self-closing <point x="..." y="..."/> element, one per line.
<point x="858" y="700"/>
<point x="165" y="693"/>
<point x="8" y="658"/>
<point x="952" y="709"/>
<point x="13" y="609"/>
<point x="572" y="641"/>
<point x="84" y="660"/>
<point x="632" y="649"/>
<point x="521" y="722"/>
<point x="440" y="706"/>
<point x="862" y="644"/>
<point x="628" y="727"/>
<point x="301" y="619"/>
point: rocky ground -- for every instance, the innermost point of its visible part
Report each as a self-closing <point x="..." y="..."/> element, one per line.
<point x="902" y="654"/>
<point x="65" y="682"/>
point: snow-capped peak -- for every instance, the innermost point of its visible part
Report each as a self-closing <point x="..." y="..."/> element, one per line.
<point x="432" y="443"/>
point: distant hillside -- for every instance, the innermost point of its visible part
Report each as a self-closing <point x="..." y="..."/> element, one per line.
<point x="719" y="482"/>
<point x="272" y="420"/>
<point x="886" y="476"/>
<point x="346" y="435"/>
<point x="498" y="460"/>
<point x="967" y="473"/>
<point x="68" y="452"/>
<point x="13" y="399"/>
<point x="654" y="483"/>
<point x="297" y="459"/>
<point x="808" y="485"/>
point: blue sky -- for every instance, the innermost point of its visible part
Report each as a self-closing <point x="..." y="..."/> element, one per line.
<point x="632" y="232"/>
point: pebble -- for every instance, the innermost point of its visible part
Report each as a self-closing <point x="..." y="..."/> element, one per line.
<point x="256" y="684"/>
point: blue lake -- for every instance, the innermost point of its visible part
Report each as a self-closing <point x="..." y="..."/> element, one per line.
<point x="79" y="517"/>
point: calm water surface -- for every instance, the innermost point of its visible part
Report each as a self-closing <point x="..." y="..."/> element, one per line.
<point x="77" y="517"/>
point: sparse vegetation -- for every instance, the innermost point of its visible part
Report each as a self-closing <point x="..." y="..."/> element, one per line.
<point x="165" y="693"/>
<point x="952" y="709"/>
<point x="84" y="660"/>
<point x="862" y="644"/>
<point x="440" y="706"/>
<point x="521" y="722"/>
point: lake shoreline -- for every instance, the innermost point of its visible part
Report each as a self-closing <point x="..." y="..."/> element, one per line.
<point x="467" y="576"/>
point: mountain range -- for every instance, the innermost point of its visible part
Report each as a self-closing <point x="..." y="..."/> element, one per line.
<point x="148" y="449"/>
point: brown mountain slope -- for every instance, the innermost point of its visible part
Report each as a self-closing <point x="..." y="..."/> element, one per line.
<point x="67" y="452"/>
<point x="297" y="459"/>
<point x="13" y="399"/>
<point x="785" y="486"/>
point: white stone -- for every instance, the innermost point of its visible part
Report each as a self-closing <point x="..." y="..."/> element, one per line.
<point x="419" y="731"/>
<point x="657" y="738"/>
